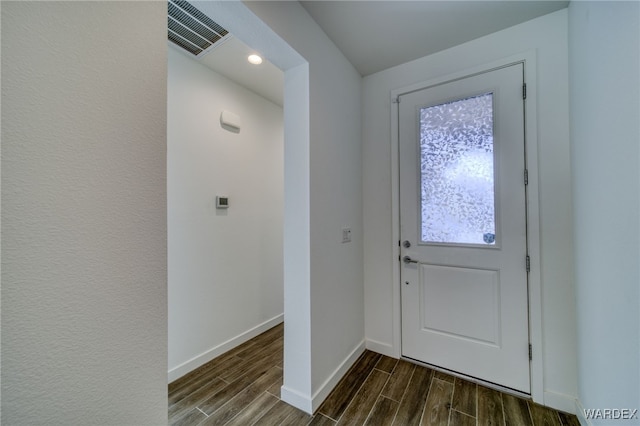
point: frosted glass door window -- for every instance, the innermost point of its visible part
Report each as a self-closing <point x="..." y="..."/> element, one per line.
<point x="457" y="174"/>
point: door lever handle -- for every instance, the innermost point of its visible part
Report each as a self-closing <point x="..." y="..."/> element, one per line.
<point x="408" y="260"/>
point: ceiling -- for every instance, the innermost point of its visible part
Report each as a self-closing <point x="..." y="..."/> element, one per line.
<point x="376" y="35"/>
<point x="230" y="60"/>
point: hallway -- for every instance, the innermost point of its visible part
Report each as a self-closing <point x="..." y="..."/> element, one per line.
<point x="242" y="387"/>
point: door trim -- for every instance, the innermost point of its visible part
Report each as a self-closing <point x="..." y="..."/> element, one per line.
<point x="528" y="59"/>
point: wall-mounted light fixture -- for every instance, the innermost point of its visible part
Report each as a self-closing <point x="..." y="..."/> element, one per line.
<point x="230" y="121"/>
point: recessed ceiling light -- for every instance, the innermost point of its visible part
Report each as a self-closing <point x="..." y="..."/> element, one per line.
<point x="255" y="59"/>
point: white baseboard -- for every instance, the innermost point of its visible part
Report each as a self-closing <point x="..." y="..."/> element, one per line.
<point x="580" y="414"/>
<point x="203" y="358"/>
<point x="309" y="404"/>
<point x="325" y="389"/>
<point x="381" y="348"/>
<point x="301" y="402"/>
<point x="560" y="401"/>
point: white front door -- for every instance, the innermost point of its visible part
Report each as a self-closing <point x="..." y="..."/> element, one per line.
<point x="463" y="227"/>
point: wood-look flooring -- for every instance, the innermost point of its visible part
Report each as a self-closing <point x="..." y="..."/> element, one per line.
<point x="242" y="387"/>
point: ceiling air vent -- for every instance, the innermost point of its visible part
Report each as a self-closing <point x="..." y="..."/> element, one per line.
<point x="191" y="29"/>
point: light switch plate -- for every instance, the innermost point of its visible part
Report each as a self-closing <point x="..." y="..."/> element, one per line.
<point x="346" y="235"/>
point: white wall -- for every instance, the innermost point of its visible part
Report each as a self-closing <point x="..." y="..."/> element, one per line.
<point x="245" y="25"/>
<point x="225" y="266"/>
<point x="335" y="333"/>
<point x="547" y="35"/>
<point x="605" y="151"/>
<point x="84" y="303"/>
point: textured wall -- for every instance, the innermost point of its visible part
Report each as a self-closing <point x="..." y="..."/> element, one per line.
<point x="225" y="266"/>
<point x="84" y="305"/>
<point x="605" y="154"/>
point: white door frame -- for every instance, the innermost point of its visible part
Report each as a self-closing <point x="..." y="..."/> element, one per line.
<point x="533" y="216"/>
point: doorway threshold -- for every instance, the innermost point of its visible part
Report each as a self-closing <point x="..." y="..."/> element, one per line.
<point x="471" y="379"/>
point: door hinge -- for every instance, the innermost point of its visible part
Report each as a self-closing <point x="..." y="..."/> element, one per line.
<point x="528" y="263"/>
<point x="526" y="177"/>
<point x="524" y="90"/>
<point x="530" y="352"/>
<point x="398" y="243"/>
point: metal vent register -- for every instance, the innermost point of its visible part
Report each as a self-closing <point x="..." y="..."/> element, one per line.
<point x="191" y="29"/>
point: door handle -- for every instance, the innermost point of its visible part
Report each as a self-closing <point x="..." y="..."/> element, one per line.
<point x="408" y="260"/>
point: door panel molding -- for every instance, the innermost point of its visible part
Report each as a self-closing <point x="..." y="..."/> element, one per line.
<point x="527" y="58"/>
<point x="442" y="318"/>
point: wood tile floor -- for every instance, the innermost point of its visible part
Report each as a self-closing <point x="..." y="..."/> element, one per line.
<point x="242" y="387"/>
